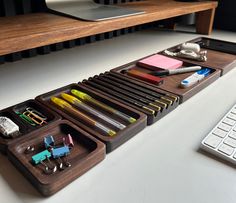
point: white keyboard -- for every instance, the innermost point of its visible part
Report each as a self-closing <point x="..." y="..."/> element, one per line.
<point x="221" y="141"/>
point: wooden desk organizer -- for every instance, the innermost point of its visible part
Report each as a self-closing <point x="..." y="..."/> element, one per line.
<point x="171" y="83"/>
<point x="215" y="59"/>
<point x="150" y="117"/>
<point x="86" y="153"/>
<point x="111" y="142"/>
<point x="25" y="128"/>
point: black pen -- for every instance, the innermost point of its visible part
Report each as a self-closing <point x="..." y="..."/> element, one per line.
<point x="136" y="85"/>
<point x="176" y="71"/>
<point x="128" y="94"/>
<point x="117" y="95"/>
<point x="146" y="96"/>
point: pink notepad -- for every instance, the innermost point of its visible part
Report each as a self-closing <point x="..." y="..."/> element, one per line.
<point x="157" y="61"/>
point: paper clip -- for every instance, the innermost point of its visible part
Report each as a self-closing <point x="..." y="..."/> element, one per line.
<point x="68" y="141"/>
<point x="34" y="117"/>
<point x="26" y="118"/>
<point x="36" y="113"/>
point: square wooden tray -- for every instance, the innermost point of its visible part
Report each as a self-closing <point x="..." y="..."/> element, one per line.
<point x="86" y="153"/>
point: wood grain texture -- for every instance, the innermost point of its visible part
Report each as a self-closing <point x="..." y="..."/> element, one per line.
<point x="172" y="82"/>
<point x="111" y="142"/>
<point x="215" y="59"/>
<point x="204" y="21"/>
<point x="25" y="128"/>
<point x="29" y="31"/>
<point x="86" y="153"/>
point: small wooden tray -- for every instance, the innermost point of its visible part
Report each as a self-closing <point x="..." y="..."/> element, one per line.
<point x="86" y="153"/>
<point x="24" y="126"/>
<point x="111" y="142"/>
<point x="215" y="59"/>
<point x="150" y="117"/>
<point x="171" y="83"/>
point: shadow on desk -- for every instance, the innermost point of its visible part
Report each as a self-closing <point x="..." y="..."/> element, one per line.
<point x="16" y="180"/>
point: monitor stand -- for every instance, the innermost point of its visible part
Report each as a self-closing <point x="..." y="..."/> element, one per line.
<point x="89" y="10"/>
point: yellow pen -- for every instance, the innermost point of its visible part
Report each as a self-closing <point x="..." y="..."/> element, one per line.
<point x="88" y="98"/>
<point x="73" y="100"/>
<point x="67" y="107"/>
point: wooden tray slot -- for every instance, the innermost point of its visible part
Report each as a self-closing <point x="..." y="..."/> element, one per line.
<point x="171" y="83"/>
<point x="111" y="141"/>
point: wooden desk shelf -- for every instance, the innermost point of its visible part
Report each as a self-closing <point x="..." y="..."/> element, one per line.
<point x="29" y="31"/>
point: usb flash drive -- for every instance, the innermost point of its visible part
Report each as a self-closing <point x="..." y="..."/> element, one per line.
<point x="195" y="78"/>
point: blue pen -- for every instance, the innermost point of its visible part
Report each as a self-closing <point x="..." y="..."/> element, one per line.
<point x="195" y="78"/>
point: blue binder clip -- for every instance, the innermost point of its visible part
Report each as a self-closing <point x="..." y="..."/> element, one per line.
<point x="49" y="141"/>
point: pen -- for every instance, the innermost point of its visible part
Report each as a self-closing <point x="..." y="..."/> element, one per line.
<point x="128" y="94"/>
<point x="88" y="98"/>
<point x="73" y="100"/>
<point x="120" y="96"/>
<point x="161" y="103"/>
<point x="67" y="107"/>
<point x="176" y="71"/>
<point x="136" y="85"/>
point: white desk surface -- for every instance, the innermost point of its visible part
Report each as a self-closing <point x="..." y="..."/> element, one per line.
<point x="160" y="164"/>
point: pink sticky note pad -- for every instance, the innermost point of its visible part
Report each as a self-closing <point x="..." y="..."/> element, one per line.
<point x="158" y="61"/>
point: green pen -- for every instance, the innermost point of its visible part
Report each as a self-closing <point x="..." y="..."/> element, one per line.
<point x="88" y="98"/>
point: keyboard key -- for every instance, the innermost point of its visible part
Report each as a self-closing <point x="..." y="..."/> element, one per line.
<point x="229" y="121"/>
<point x="232" y="134"/>
<point x="231" y="142"/>
<point x="213" y="141"/>
<point x="224" y="127"/>
<point x="233" y="111"/>
<point x="226" y="149"/>
<point x="231" y="116"/>
<point x="219" y="133"/>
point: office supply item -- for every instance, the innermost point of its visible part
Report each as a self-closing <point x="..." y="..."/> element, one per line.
<point x="89" y="10"/>
<point x="8" y="128"/>
<point x="195" y="78"/>
<point x="68" y="141"/>
<point x="41" y="156"/>
<point x="26" y="118"/>
<point x="140" y="86"/>
<point x="121" y="96"/>
<point x="158" y="61"/>
<point x="73" y="100"/>
<point x="29" y="149"/>
<point x="152" y="101"/>
<point x="215" y="59"/>
<point x="60" y="152"/>
<point x="88" y="98"/>
<point x="176" y="71"/>
<point x="218" y="45"/>
<point x="201" y="56"/>
<point x="86" y="153"/>
<point x="188" y="46"/>
<point x="49" y="141"/>
<point x="144" y="76"/>
<point x="112" y="142"/>
<point x="64" y="105"/>
<point x="221" y="140"/>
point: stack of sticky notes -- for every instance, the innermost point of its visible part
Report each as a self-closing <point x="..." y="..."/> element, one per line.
<point x="157" y="62"/>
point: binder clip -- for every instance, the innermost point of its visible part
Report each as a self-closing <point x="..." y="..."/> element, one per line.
<point x="49" y="142"/>
<point x="58" y="153"/>
<point x="8" y="128"/>
<point x="68" y="141"/>
<point x="40" y="158"/>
